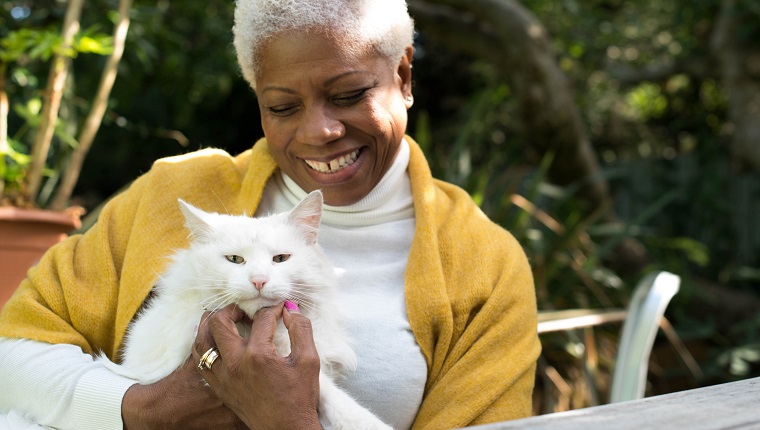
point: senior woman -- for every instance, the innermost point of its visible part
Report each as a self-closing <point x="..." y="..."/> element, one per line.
<point x="439" y="299"/>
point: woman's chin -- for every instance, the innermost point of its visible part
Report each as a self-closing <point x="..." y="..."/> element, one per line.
<point x="341" y="188"/>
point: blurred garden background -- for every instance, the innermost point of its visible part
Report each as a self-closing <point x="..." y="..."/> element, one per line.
<point x="612" y="137"/>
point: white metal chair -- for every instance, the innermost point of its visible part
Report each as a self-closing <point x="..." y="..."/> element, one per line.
<point x="640" y="320"/>
<point x="645" y="311"/>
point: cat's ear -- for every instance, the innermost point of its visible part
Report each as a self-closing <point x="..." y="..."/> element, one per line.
<point x="195" y="221"/>
<point x="307" y="215"/>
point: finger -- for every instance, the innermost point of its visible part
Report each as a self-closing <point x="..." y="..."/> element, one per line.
<point x="203" y="343"/>
<point x="263" y="328"/>
<point x="203" y="339"/>
<point x="299" y="331"/>
<point x="223" y="330"/>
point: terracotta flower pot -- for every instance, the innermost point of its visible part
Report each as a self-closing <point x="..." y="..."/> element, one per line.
<point x="25" y="234"/>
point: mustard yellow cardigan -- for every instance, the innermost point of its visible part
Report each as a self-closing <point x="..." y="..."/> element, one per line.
<point x="469" y="289"/>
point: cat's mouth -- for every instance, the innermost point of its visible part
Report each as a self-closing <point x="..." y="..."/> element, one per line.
<point x="334" y="165"/>
<point x="251" y="306"/>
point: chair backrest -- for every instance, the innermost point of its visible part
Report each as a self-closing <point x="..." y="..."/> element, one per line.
<point x="646" y="309"/>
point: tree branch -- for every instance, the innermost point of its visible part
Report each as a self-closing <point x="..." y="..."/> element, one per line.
<point x="700" y="68"/>
<point x="52" y="102"/>
<point x="98" y="109"/>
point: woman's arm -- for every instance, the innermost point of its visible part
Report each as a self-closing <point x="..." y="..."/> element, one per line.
<point x="58" y="385"/>
<point x="82" y="295"/>
<point x="182" y="400"/>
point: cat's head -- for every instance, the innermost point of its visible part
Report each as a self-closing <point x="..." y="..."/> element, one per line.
<point x="256" y="262"/>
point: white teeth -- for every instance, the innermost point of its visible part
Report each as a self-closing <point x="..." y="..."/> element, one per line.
<point x="333" y="165"/>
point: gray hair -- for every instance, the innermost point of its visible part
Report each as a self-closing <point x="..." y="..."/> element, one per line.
<point x="383" y="25"/>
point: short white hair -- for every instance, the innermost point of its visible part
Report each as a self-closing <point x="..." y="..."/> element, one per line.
<point x="383" y="25"/>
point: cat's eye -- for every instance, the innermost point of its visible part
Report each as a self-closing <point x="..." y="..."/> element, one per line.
<point x="280" y="258"/>
<point x="235" y="259"/>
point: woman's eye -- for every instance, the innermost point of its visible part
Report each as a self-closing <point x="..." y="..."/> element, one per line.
<point x="280" y="258"/>
<point x="235" y="259"/>
<point x="350" y="98"/>
<point x="282" y="110"/>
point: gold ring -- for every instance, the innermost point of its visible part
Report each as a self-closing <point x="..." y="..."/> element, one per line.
<point x="208" y="359"/>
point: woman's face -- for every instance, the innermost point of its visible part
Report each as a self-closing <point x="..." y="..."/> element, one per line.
<point x="333" y="118"/>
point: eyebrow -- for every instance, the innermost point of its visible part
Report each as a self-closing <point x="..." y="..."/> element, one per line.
<point x="326" y="83"/>
<point x="342" y="75"/>
<point x="283" y="89"/>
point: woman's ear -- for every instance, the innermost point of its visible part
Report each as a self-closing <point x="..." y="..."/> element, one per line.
<point x="404" y="75"/>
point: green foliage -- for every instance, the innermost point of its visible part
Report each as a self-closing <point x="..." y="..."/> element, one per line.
<point x="31" y="44"/>
<point x="662" y="141"/>
<point x="25" y="56"/>
<point x="12" y="170"/>
<point x="645" y="102"/>
<point x="30" y="113"/>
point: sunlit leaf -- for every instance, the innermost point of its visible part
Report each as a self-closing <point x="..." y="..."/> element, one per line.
<point x="100" y="46"/>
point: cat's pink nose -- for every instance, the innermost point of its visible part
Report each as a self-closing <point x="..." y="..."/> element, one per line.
<point x="259" y="281"/>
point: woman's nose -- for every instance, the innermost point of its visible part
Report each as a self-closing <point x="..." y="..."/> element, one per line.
<point x="318" y="126"/>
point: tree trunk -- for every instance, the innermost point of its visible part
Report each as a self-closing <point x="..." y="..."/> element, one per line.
<point x="4" y="110"/>
<point x="52" y="101"/>
<point x="739" y="59"/>
<point x="507" y="35"/>
<point x="98" y="109"/>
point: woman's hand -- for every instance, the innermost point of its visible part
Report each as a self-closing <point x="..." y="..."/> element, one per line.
<point x="182" y="400"/>
<point x="265" y="390"/>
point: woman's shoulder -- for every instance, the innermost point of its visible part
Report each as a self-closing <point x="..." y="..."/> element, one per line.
<point x="462" y="222"/>
<point x="202" y="163"/>
<point x="202" y="176"/>
<point x="455" y="205"/>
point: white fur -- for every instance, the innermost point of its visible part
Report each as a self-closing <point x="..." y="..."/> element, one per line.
<point x="201" y="277"/>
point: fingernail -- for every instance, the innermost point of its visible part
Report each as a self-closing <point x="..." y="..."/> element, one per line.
<point x="195" y="332"/>
<point x="291" y="306"/>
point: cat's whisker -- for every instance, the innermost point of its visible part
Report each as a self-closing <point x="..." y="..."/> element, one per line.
<point x="302" y="301"/>
<point x="310" y="287"/>
<point x="199" y="288"/>
<point x="222" y="202"/>
<point x="211" y="312"/>
<point x="221" y="299"/>
<point x="314" y="286"/>
<point x="305" y="295"/>
<point x="305" y="299"/>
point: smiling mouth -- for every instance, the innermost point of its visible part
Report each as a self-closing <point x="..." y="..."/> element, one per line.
<point x="335" y="165"/>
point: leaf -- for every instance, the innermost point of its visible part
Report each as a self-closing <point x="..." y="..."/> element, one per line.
<point x="13" y="162"/>
<point x="29" y="111"/>
<point x="100" y="46"/>
<point x="64" y="135"/>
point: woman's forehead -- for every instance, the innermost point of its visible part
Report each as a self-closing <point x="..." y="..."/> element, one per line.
<point x="308" y="56"/>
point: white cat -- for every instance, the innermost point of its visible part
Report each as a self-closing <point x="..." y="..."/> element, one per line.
<point x="252" y="262"/>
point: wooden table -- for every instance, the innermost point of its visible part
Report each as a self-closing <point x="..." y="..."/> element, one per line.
<point x="734" y="405"/>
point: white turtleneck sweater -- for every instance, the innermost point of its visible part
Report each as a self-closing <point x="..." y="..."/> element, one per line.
<point x="370" y="240"/>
